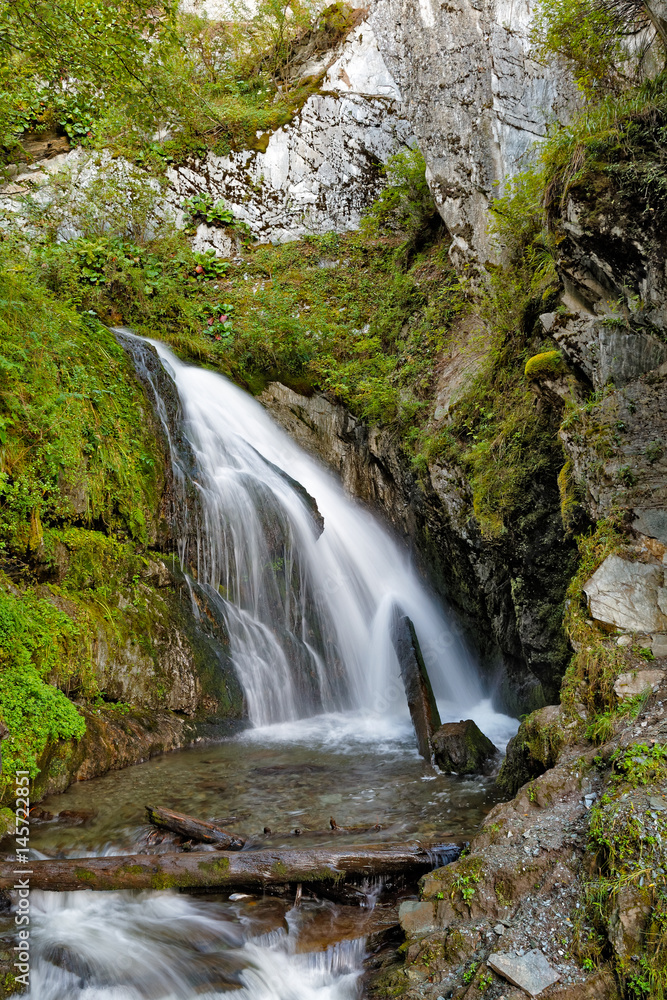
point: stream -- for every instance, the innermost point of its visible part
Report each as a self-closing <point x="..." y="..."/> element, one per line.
<point x="308" y="613"/>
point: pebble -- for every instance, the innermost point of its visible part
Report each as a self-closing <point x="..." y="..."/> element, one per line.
<point x="499" y="929"/>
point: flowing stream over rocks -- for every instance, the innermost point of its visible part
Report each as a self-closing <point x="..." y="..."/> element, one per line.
<point x="306" y="582"/>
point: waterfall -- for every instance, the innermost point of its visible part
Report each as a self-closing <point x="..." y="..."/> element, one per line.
<point x="307" y="605"/>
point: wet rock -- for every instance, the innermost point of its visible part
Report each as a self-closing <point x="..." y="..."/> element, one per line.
<point x="421" y="701"/>
<point x="630" y="595"/>
<point x="416" y="918"/>
<point x="636" y="682"/>
<point x="463" y="748"/>
<point x="531" y="972"/>
<point x="533" y="750"/>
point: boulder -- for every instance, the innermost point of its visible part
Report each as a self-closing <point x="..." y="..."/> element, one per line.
<point x="463" y="748"/>
<point x="659" y="645"/>
<point x="421" y="701"/>
<point x="637" y="682"/>
<point x="651" y="522"/>
<point x="629" y="595"/>
<point x="533" y="750"/>
<point x="531" y="972"/>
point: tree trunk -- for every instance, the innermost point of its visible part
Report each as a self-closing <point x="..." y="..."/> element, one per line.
<point x="253" y="870"/>
<point x="197" y="829"/>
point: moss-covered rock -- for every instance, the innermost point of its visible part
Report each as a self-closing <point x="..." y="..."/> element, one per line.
<point x="533" y="750"/>
<point x="548" y="364"/>
<point x="463" y="748"/>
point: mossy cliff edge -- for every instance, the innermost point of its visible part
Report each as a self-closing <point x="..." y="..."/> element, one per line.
<point x="92" y="618"/>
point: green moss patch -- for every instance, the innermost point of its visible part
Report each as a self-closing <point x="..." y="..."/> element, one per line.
<point x="548" y="364"/>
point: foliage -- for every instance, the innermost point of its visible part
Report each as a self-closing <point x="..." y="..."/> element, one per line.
<point x="151" y="82"/>
<point x="626" y="837"/>
<point x="595" y="666"/>
<point x="37" y="640"/>
<point x="103" y="47"/>
<point x="589" y="35"/>
<point x="405" y="205"/>
<point x="74" y="445"/>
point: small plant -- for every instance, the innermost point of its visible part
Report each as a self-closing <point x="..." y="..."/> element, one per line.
<point x="469" y="974"/>
<point x="202" y="206"/>
<point x="218" y="320"/>
<point x="210" y="266"/>
<point x="654" y="451"/>
<point x="484" y="982"/>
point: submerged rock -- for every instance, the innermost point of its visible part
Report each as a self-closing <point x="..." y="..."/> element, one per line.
<point x="462" y="747"/>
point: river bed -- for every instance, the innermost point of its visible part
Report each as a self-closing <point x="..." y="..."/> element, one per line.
<point x="175" y="946"/>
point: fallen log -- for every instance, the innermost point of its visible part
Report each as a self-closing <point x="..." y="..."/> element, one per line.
<point x="196" y="829"/>
<point x="237" y="869"/>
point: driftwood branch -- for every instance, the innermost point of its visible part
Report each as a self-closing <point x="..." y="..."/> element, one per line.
<point x="238" y="869"/>
<point x="196" y="829"/>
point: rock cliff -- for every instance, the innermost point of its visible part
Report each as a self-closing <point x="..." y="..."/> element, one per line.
<point x="476" y="98"/>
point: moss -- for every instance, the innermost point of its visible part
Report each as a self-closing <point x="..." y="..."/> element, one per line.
<point x="162" y="881"/>
<point x="570" y="508"/>
<point x="84" y="875"/>
<point x="549" y="364"/>
<point x="132" y="870"/>
<point x="504" y="892"/>
<point x="7" y="821"/>
<point x="218" y="866"/>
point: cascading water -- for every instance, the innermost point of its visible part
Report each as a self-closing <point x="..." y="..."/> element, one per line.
<point x="308" y="611"/>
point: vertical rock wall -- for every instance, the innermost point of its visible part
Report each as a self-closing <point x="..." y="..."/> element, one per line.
<point x="475" y="97"/>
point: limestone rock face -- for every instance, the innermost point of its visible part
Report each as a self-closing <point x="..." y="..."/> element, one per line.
<point x="320" y="171"/>
<point x="315" y="174"/>
<point x="475" y="97"/>
<point x="628" y="595"/>
<point x="463" y="748"/>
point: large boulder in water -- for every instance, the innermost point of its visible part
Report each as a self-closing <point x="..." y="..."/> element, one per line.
<point x="463" y="748"/>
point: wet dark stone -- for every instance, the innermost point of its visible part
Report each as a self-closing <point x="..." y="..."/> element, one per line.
<point x="463" y="748"/>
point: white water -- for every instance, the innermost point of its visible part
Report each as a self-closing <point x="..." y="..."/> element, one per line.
<point x="164" y="946"/>
<point x="308" y="617"/>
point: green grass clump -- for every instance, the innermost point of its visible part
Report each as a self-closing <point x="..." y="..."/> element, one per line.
<point x="76" y="452"/>
<point x="626" y="837"/>
<point x="75" y="442"/>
